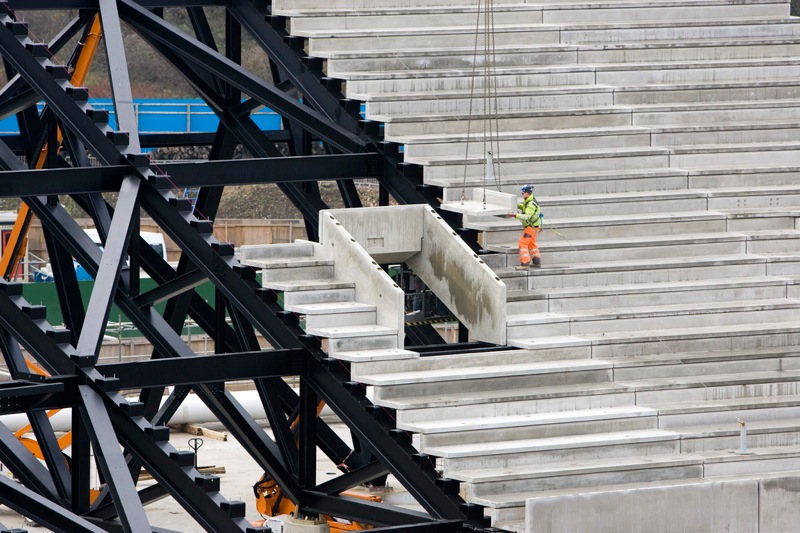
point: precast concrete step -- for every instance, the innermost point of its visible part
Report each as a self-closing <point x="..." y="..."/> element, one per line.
<point x="751" y="433"/>
<point x="363" y="357"/>
<point x="733" y="29"/>
<point x="486" y="378"/>
<point x="732" y="411"/>
<point x="676" y="292"/>
<point x="289" y="7"/>
<point x="634" y="203"/>
<point x="693" y="393"/>
<point x="756" y="199"/>
<point x="569" y="13"/>
<point x="317" y="315"/>
<point x="634" y="319"/>
<point x="720" y="49"/>
<point x="725" y="133"/>
<point x="314" y="293"/>
<point x="268" y="254"/>
<point x="698" y="364"/>
<point x="507" y="99"/>
<point x="554" y="119"/>
<point x="556" y="508"/>
<point x="462" y="58"/>
<point x="509" y="402"/>
<point x="764" y="111"/>
<point x="711" y="177"/>
<point x="730" y="156"/>
<point x="558" y="251"/>
<point x="422" y="18"/>
<point x="610" y="226"/>
<point x="291" y="270"/>
<point x="557" y="12"/>
<point x="557" y="183"/>
<point x="578" y="161"/>
<point x="568" y="448"/>
<point x="602" y="472"/>
<point x="525" y="141"/>
<point x="360" y="84"/>
<point x="625" y="272"/>
<point x="469" y="360"/>
<point x="654" y="341"/>
<point x="535" y="425"/>
<point x="328" y="43"/>
<point x="668" y="93"/>
<point x="668" y="72"/>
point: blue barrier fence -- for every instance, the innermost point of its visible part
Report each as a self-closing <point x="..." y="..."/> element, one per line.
<point x="166" y="116"/>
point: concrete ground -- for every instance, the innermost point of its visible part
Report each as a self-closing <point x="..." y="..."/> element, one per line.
<point x="240" y="473"/>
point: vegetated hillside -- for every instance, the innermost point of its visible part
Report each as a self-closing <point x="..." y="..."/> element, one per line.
<point x="152" y="77"/>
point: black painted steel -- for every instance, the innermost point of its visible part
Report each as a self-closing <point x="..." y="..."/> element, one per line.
<point x="125" y="434"/>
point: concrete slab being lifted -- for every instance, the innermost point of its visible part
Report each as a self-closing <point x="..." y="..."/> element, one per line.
<point x="481" y="201"/>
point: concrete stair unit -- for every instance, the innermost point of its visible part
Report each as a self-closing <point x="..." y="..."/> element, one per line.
<point x="326" y="306"/>
<point x="653" y="358"/>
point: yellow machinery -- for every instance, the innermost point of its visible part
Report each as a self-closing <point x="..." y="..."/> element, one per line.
<point x="270" y="500"/>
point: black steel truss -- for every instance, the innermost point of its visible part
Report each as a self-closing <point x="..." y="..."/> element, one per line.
<point x="128" y="434"/>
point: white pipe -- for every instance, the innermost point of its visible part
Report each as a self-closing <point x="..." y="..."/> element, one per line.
<point x="191" y="411"/>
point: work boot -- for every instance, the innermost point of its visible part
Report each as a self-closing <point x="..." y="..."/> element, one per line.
<point x="524" y="266"/>
<point x="537" y="262"/>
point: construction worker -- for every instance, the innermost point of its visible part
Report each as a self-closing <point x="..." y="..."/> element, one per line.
<point x="529" y="215"/>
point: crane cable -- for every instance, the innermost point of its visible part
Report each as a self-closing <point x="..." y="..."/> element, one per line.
<point x="489" y="108"/>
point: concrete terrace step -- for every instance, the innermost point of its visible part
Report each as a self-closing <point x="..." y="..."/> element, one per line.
<point x="602" y="472"/>
<point x="552" y="11"/>
<point x="526" y="141"/>
<point x="486" y="378"/>
<point x="453" y="362"/>
<point x="471" y="430"/>
<point x="751" y="28"/>
<point x="676" y="292"/>
<point x="332" y="43"/>
<point x="327" y="314"/>
<point x="726" y="461"/>
<point x="746" y="220"/>
<point x="762" y="47"/>
<point x="521" y="452"/>
<point x="587" y="182"/>
<point x="393" y="18"/>
<point x="619" y="272"/>
<point x="631" y="319"/>
<point x="508" y="510"/>
<point x="513" y="98"/>
<point x="586" y="138"/>
<point x="636" y="248"/>
<point x="309" y="7"/>
<point x="586" y="161"/>
<point x="655" y="341"/>
<point x="444" y="58"/>
<point x="666" y="93"/>
<point x="360" y="84"/>
<point x="507" y="402"/>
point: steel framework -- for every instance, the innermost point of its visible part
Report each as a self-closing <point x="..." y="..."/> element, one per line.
<point x="122" y="436"/>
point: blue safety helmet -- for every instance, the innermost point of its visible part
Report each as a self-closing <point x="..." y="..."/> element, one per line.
<point x="527" y="188"/>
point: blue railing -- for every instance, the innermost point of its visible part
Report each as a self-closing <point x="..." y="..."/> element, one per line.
<point x="166" y="116"/>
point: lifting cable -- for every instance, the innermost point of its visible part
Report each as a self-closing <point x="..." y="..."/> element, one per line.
<point x="490" y="136"/>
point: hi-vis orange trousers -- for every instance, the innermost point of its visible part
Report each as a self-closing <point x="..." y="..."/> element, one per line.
<point x="527" y="245"/>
